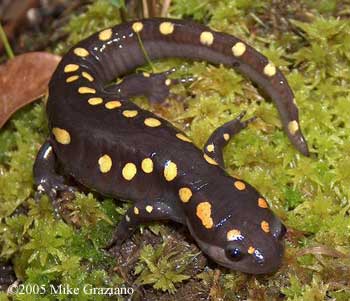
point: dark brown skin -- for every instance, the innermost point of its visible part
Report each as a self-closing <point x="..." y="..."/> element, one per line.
<point x="110" y="145"/>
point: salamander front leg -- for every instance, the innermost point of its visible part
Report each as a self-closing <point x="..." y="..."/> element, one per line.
<point x="154" y="86"/>
<point x="46" y="178"/>
<point x="141" y="212"/>
<point x="221" y="136"/>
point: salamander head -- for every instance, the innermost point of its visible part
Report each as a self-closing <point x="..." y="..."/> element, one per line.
<point x="238" y="230"/>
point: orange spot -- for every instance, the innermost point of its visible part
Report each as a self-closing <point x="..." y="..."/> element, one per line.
<point x="262" y="203"/>
<point x="152" y="122"/>
<point x="130" y="113"/>
<point x="183" y="137"/>
<point x="105" y="34"/>
<point x="210" y="160"/>
<point x="204" y="214"/>
<point x="87" y="76"/>
<point x="61" y="135"/>
<point x="113" y="104"/>
<point x="251" y="250"/>
<point x="185" y="194"/>
<point x="170" y="171"/>
<point x="239" y="185"/>
<point x="226" y="136"/>
<point x="265" y="226"/>
<point x="233" y="234"/>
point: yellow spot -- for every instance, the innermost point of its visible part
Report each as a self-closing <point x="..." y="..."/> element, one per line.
<point x="270" y="69"/>
<point x="183" y="137"/>
<point x="147" y="165"/>
<point x="207" y="38"/>
<point x="129" y="171"/>
<point x="105" y="35"/>
<point x="233" y="234"/>
<point x="262" y="203"/>
<point x="137" y="26"/>
<point x="87" y="76"/>
<point x="82" y="52"/>
<point x="210" y="148"/>
<point x="152" y="122"/>
<point x="105" y="163"/>
<point x="62" y="136"/>
<point x="149" y="209"/>
<point x="71" y="68"/>
<point x="146" y="74"/>
<point x="210" y="160"/>
<point x="251" y="250"/>
<point x="86" y="90"/>
<point x="265" y="226"/>
<point x="238" y="49"/>
<point x="136" y="210"/>
<point x="185" y="194"/>
<point x="95" y="101"/>
<point x="72" y="78"/>
<point x="226" y="137"/>
<point x="239" y="185"/>
<point x="203" y="212"/>
<point x="113" y="104"/>
<point x="166" y="28"/>
<point x="293" y="127"/>
<point x="168" y="82"/>
<point x="170" y="171"/>
<point x="130" y="113"/>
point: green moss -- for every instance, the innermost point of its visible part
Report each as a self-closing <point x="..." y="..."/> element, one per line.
<point x="197" y="9"/>
<point x="316" y="291"/>
<point x="26" y="128"/>
<point x="98" y="16"/>
<point x="3" y="296"/>
<point x="85" y="210"/>
<point x="162" y="267"/>
<point x="311" y="195"/>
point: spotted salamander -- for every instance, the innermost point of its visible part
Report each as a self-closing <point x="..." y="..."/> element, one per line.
<point x="110" y="145"/>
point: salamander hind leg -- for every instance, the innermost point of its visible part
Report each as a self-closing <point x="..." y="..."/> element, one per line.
<point x="221" y="136"/>
<point x="155" y="86"/>
<point x="142" y="212"/>
<point x="46" y="178"/>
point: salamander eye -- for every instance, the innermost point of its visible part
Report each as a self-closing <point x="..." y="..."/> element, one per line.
<point x="235" y="254"/>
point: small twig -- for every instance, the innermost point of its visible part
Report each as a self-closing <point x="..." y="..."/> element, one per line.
<point x="6" y="43"/>
<point x="145" y="52"/>
<point x="153" y="9"/>
<point x="145" y="9"/>
<point x="165" y="8"/>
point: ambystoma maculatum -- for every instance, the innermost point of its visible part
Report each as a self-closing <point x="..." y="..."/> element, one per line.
<point x="110" y="145"/>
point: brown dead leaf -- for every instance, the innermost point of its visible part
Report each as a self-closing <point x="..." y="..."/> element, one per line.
<point x="23" y="80"/>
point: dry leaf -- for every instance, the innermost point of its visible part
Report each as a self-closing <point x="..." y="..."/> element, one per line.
<point x="23" y="80"/>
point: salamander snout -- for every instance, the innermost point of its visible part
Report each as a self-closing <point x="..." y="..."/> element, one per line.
<point x="279" y="231"/>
